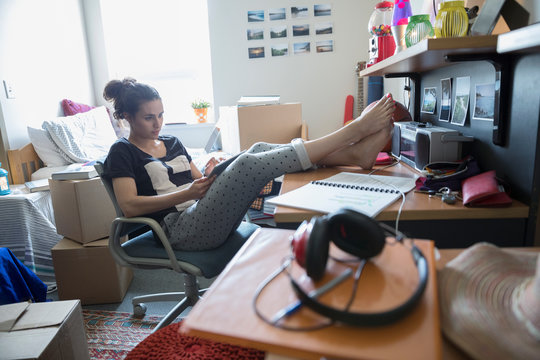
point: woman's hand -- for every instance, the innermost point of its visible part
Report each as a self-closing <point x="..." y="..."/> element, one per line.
<point x="198" y="188"/>
<point x="211" y="164"/>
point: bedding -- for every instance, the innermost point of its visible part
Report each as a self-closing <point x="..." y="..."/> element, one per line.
<point x="82" y="137"/>
<point x="28" y="229"/>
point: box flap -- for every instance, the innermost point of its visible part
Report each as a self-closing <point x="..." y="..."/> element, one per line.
<point x="10" y="313"/>
<point x="97" y="243"/>
<point x="26" y="344"/>
<point x="39" y="315"/>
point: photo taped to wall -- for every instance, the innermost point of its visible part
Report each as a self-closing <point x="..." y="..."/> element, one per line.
<point x="446" y="99"/>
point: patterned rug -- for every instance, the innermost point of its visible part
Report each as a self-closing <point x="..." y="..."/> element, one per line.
<point x="111" y="335"/>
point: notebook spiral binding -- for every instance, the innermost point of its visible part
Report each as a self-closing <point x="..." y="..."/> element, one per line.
<point x="356" y="187"/>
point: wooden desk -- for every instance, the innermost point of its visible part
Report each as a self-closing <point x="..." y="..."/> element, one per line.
<point x="225" y="313"/>
<point x="445" y="224"/>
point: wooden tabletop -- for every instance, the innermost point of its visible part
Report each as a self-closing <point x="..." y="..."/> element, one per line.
<point x="418" y="206"/>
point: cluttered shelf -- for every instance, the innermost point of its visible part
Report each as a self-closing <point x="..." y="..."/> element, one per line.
<point x="431" y="54"/>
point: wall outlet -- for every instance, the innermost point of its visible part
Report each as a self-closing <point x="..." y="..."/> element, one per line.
<point x="10" y="92"/>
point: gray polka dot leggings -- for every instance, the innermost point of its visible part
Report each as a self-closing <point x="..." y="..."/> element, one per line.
<point x="207" y="223"/>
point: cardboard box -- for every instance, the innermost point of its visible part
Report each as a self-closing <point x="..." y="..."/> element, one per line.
<point x="89" y="273"/>
<point x="243" y="126"/>
<point x="50" y="330"/>
<point x="83" y="210"/>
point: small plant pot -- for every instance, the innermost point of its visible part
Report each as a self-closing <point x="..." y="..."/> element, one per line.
<point x="201" y="114"/>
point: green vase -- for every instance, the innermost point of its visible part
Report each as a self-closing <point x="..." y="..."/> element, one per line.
<point x="418" y="29"/>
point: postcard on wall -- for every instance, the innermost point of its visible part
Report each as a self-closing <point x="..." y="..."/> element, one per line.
<point x="322" y="10"/>
<point x="484" y="102"/>
<point x="256" y="52"/>
<point x="277" y="14"/>
<point x="277" y="32"/>
<point x="255" y="15"/>
<point x="280" y="49"/>
<point x="301" y="48"/>
<point x="299" y="12"/>
<point x="255" y="34"/>
<point x="430" y="100"/>
<point x="323" y="28"/>
<point x="324" y="46"/>
<point x="461" y="102"/>
<point x="300" y="30"/>
<point x="446" y="99"/>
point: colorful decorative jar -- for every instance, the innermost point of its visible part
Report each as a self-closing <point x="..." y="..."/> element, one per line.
<point x="4" y="182"/>
<point x="451" y="20"/>
<point x="418" y="29"/>
<point x="381" y="43"/>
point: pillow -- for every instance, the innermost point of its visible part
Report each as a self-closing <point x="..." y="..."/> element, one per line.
<point x="72" y="108"/>
<point x="46" y="149"/>
<point x="83" y="137"/>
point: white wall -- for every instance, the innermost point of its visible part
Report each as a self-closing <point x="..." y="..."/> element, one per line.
<point x="44" y="56"/>
<point x="320" y="82"/>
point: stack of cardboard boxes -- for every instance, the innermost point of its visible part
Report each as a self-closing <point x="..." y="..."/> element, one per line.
<point x="83" y="265"/>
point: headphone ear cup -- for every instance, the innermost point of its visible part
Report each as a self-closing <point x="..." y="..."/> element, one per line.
<point x="356" y="233"/>
<point x="317" y="249"/>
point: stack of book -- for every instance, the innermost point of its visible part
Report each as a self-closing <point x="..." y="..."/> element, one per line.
<point x="258" y="100"/>
<point x="76" y="172"/>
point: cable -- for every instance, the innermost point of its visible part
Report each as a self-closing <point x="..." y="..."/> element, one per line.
<point x="285" y="264"/>
<point x="395" y="188"/>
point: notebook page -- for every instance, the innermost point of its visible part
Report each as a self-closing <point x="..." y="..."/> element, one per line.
<point x="321" y="196"/>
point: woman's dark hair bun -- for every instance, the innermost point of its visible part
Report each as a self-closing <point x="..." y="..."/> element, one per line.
<point x="127" y="95"/>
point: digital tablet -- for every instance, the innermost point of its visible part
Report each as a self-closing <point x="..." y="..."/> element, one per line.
<point x="219" y="168"/>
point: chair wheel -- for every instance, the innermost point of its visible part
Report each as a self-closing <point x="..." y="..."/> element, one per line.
<point x="139" y="310"/>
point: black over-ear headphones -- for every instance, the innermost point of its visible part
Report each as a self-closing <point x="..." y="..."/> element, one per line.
<point x="356" y="234"/>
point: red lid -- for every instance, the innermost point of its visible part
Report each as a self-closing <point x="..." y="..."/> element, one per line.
<point x="384" y="4"/>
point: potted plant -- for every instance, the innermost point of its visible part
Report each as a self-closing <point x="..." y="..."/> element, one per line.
<point x="200" y="107"/>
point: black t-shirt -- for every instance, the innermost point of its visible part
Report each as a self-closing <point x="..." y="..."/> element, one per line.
<point x="152" y="176"/>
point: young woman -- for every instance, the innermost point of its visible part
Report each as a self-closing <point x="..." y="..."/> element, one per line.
<point x="154" y="176"/>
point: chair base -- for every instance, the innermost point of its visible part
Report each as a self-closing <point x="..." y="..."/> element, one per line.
<point x="187" y="298"/>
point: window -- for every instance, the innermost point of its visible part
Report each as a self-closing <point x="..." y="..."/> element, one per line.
<point x="164" y="43"/>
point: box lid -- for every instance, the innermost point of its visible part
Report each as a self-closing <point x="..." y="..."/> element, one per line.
<point x="38" y="315"/>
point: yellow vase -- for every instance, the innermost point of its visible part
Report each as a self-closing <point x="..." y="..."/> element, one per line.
<point x="451" y="20"/>
<point x="201" y="114"/>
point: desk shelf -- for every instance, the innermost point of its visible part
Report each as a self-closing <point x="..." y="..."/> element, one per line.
<point x="430" y="54"/>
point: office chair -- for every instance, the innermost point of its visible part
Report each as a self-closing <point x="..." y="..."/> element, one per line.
<point x="143" y="251"/>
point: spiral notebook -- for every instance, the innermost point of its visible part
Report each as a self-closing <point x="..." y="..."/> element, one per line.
<point x="368" y="194"/>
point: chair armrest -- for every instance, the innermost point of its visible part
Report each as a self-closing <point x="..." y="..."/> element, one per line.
<point x="116" y="235"/>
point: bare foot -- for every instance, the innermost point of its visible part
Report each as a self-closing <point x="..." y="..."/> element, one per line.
<point x="363" y="153"/>
<point x="373" y="119"/>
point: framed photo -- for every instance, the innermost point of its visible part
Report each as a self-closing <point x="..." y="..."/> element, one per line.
<point x="446" y="100"/>
<point x="324" y="28"/>
<point x="256" y="52"/>
<point x="277" y="14"/>
<point x="279" y="49"/>
<point x="461" y="101"/>
<point x="324" y="46"/>
<point x="484" y="102"/>
<point x="300" y="30"/>
<point x="322" y="10"/>
<point x="301" y="48"/>
<point x="430" y="100"/>
<point x="255" y="34"/>
<point x="255" y="15"/>
<point x="278" y="32"/>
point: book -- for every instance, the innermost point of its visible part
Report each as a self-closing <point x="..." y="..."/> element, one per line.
<point x="37" y="185"/>
<point x="368" y="194"/>
<point x="75" y="172"/>
<point x="258" y="100"/>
